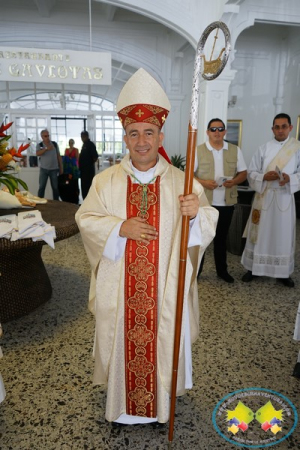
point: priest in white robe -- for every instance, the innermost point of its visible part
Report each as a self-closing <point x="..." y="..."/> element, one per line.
<point x="274" y="174"/>
<point x="130" y="224"/>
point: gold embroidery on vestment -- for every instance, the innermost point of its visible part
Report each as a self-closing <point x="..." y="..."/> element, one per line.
<point x="142" y="314"/>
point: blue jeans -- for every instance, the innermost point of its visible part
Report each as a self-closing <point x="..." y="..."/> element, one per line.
<point x="53" y="175"/>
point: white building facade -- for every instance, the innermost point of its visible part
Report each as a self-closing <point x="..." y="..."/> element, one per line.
<point x="260" y="80"/>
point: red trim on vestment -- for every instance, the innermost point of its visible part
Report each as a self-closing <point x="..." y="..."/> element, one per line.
<point x="140" y="322"/>
<point x="164" y="154"/>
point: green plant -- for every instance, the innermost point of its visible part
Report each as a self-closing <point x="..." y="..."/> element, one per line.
<point x="178" y="161"/>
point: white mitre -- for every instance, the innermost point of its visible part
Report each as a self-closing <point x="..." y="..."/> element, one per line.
<point x="142" y="99"/>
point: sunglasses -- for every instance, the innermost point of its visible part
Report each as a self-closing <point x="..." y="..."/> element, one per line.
<point x="214" y="129"/>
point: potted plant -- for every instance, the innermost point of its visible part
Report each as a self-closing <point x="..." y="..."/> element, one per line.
<point x="178" y="161"/>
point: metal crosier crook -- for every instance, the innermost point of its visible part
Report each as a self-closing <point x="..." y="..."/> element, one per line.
<point x="209" y="70"/>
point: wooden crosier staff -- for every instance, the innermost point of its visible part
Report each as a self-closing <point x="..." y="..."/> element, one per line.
<point x="211" y="70"/>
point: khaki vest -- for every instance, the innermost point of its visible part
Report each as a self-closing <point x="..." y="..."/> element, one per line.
<point x="206" y="170"/>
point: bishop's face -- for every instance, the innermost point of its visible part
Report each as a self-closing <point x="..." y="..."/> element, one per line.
<point x="143" y="141"/>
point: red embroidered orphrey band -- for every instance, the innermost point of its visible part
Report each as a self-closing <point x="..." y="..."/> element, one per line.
<point x="141" y="285"/>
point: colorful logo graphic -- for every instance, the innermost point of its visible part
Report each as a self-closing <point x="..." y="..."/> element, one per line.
<point x="255" y="418"/>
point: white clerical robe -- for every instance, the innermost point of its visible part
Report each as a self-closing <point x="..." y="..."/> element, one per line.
<point x="102" y="211"/>
<point x="273" y="253"/>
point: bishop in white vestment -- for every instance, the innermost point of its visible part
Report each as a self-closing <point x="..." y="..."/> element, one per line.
<point x="131" y="226"/>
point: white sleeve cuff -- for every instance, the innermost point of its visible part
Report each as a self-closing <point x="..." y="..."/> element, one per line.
<point x="115" y="245"/>
<point x="195" y="234"/>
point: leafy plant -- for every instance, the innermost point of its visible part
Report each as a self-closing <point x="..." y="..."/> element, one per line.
<point x="8" y="159"/>
<point x="178" y="161"/>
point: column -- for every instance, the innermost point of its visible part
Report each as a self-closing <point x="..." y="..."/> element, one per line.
<point x="213" y="100"/>
<point x="278" y="100"/>
<point x="172" y="136"/>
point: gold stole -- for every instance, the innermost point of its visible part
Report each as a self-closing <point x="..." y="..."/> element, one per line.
<point x="280" y="160"/>
<point x="141" y="284"/>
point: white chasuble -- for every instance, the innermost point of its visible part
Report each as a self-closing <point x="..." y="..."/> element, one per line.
<point x="103" y="209"/>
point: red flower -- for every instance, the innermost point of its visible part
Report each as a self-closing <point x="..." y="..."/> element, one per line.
<point x="23" y="147"/>
<point x="4" y="128"/>
<point x="18" y="154"/>
<point x="12" y="151"/>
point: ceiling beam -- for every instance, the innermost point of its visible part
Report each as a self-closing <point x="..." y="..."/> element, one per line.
<point x="110" y="13"/>
<point x="44" y="7"/>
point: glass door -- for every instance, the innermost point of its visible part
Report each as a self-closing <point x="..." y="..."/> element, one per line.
<point x="64" y="128"/>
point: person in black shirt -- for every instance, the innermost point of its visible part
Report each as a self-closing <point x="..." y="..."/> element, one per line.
<point x="87" y="158"/>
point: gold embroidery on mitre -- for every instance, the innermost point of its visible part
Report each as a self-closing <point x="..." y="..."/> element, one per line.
<point x="139" y="113"/>
<point x="125" y="111"/>
<point x="154" y="109"/>
<point x="127" y="121"/>
<point x="154" y="120"/>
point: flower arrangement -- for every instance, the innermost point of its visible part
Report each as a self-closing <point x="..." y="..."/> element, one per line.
<point x="9" y="158"/>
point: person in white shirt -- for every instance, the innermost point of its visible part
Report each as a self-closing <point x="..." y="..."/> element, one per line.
<point x="274" y="174"/>
<point x="220" y="167"/>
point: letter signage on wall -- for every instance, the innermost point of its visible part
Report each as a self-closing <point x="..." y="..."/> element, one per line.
<point x="55" y="66"/>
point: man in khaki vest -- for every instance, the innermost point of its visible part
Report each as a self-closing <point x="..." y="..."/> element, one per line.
<point x="220" y="167"/>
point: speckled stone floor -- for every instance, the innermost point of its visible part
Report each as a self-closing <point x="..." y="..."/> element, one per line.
<point x="51" y="404"/>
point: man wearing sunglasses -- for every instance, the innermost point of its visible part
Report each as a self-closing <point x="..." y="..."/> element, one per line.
<point x="274" y="174"/>
<point x="220" y="167"/>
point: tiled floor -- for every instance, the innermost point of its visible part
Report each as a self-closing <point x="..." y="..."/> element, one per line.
<point x="51" y="404"/>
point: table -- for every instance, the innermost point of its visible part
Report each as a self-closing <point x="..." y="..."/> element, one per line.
<point x="24" y="282"/>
